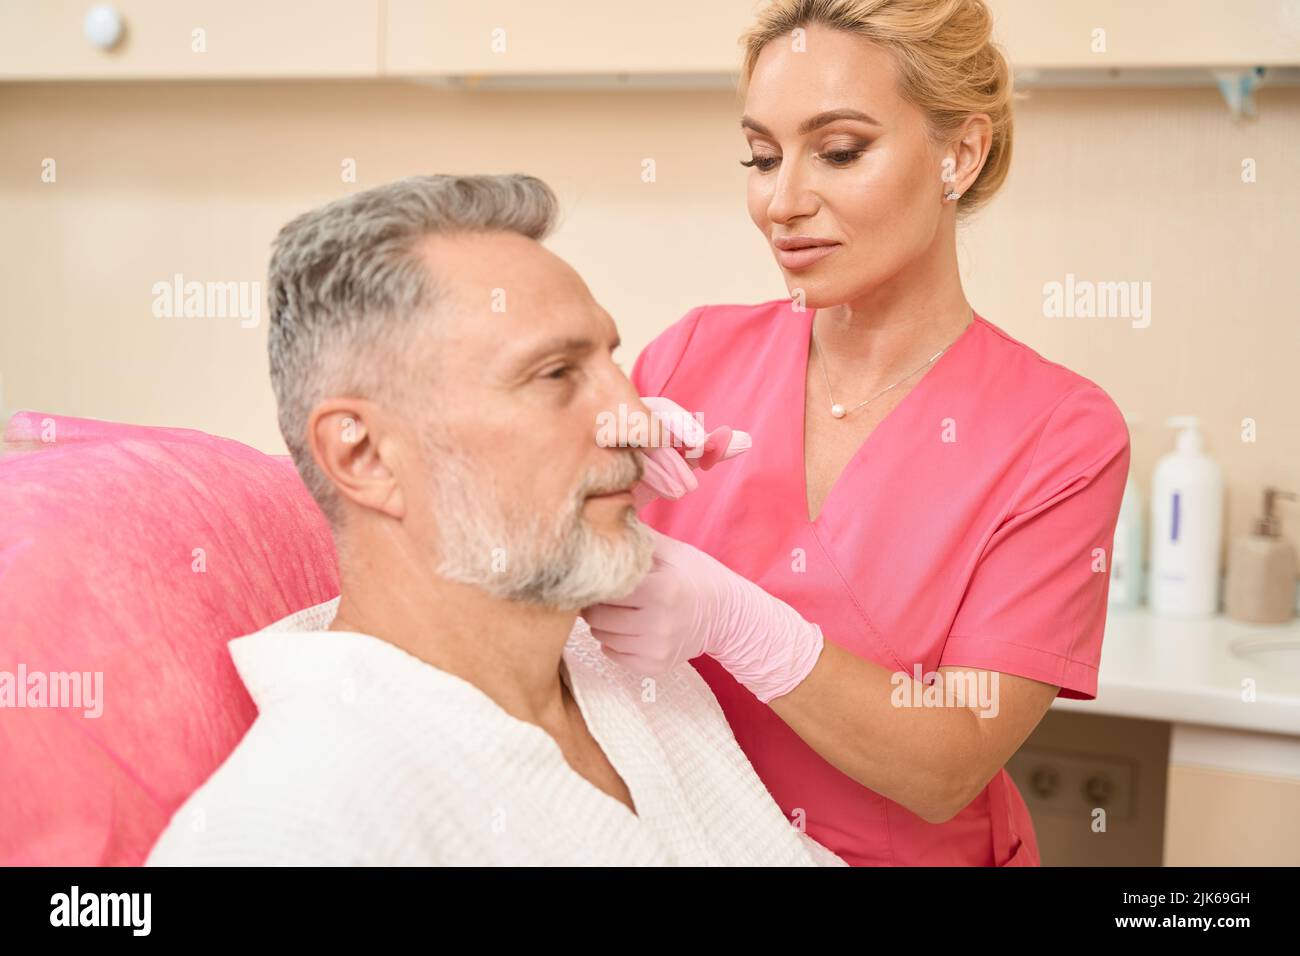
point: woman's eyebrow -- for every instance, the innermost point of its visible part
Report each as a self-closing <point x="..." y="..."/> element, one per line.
<point x="813" y="122"/>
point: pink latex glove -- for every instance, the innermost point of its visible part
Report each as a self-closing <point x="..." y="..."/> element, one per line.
<point x="691" y="604"/>
<point x="668" y="471"/>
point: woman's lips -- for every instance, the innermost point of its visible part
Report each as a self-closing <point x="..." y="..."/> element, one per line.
<point x="796" y="254"/>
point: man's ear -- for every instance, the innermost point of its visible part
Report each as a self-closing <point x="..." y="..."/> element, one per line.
<point x="354" y="445"/>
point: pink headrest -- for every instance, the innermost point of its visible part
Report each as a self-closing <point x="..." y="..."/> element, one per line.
<point x="135" y="554"/>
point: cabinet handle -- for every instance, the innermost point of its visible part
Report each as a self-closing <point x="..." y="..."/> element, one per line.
<point x="103" y="26"/>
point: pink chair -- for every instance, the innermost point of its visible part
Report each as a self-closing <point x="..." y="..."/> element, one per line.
<point x="136" y="553"/>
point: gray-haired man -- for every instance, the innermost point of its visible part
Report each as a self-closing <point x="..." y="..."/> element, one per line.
<point x="439" y="375"/>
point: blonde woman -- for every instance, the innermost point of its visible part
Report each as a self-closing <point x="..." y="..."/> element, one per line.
<point x="888" y="591"/>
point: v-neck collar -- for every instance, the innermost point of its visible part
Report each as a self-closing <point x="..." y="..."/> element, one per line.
<point x="801" y="430"/>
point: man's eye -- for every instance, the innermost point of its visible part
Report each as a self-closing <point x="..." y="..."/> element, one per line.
<point x="559" y="372"/>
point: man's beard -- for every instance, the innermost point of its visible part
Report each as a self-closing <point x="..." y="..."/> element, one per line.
<point x="552" y="560"/>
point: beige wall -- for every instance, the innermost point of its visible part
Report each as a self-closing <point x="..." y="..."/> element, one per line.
<point x="160" y="178"/>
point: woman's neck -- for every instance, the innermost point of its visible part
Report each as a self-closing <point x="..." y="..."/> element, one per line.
<point x="887" y="332"/>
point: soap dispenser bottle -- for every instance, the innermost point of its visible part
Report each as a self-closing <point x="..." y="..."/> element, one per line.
<point x="1126" y="567"/>
<point x="1186" y="528"/>
<point x="1261" y="570"/>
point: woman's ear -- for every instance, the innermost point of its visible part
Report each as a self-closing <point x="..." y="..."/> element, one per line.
<point x="962" y="165"/>
<point x="354" y="448"/>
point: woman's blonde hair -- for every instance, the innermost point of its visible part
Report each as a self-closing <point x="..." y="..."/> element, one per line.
<point x="947" y="64"/>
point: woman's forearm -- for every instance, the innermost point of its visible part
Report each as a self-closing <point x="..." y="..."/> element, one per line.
<point x="931" y="759"/>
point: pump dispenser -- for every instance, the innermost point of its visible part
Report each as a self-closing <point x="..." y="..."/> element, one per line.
<point x="1127" y="570"/>
<point x="1261" y="570"/>
<point x="1186" y="527"/>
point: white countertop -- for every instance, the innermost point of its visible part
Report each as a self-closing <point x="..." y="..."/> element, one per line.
<point x="1187" y="672"/>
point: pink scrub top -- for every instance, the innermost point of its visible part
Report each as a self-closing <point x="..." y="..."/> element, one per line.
<point x="973" y="527"/>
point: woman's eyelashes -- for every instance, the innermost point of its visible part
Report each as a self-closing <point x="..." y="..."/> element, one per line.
<point x="837" y="158"/>
<point x="843" y="157"/>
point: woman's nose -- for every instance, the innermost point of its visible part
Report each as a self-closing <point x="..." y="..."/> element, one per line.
<point x="791" y="198"/>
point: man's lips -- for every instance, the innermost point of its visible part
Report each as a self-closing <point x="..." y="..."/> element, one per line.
<point x="800" y="252"/>
<point x="620" y="493"/>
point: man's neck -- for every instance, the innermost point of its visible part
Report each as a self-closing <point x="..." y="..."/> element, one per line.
<point x="508" y="650"/>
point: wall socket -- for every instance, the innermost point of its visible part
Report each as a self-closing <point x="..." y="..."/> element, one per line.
<point x="1070" y="783"/>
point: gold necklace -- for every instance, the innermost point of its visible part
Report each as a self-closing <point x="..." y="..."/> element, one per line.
<point x="838" y="410"/>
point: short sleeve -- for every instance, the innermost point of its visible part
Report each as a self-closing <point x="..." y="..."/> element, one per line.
<point x="658" y="360"/>
<point x="1036" y="602"/>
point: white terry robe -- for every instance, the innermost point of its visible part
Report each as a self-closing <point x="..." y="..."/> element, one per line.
<point x="363" y="754"/>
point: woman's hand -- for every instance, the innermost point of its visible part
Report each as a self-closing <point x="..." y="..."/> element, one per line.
<point x="932" y="760"/>
<point x="691" y="604"/>
<point x="668" y="470"/>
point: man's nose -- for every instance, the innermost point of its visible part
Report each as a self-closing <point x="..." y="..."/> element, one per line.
<point x="649" y="434"/>
<point x="636" y="423"/>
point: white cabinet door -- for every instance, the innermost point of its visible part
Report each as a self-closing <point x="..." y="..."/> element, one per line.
<point x="576" y="37"/>
<point x="161" y="39"/>
<point x="1148" y="33"/>
<point x="1232" y="798"/>
<point x="572" y="37"/>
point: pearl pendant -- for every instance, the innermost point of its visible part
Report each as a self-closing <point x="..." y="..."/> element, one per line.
<point x="837" y="410"/>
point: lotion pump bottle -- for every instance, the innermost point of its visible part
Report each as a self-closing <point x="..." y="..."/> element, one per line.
<point x="1186" y="528"/>
<point x="1126" y="569"/>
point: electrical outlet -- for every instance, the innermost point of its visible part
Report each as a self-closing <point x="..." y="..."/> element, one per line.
<point x="1072" y="783"/>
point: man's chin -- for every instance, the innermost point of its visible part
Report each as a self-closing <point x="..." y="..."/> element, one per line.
<point x="615" y="566"/>
<point x="601" y="557"/>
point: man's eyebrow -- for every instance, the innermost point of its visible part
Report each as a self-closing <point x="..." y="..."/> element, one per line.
<point x="564" y="343"/>
<point x="813" y="122"/>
